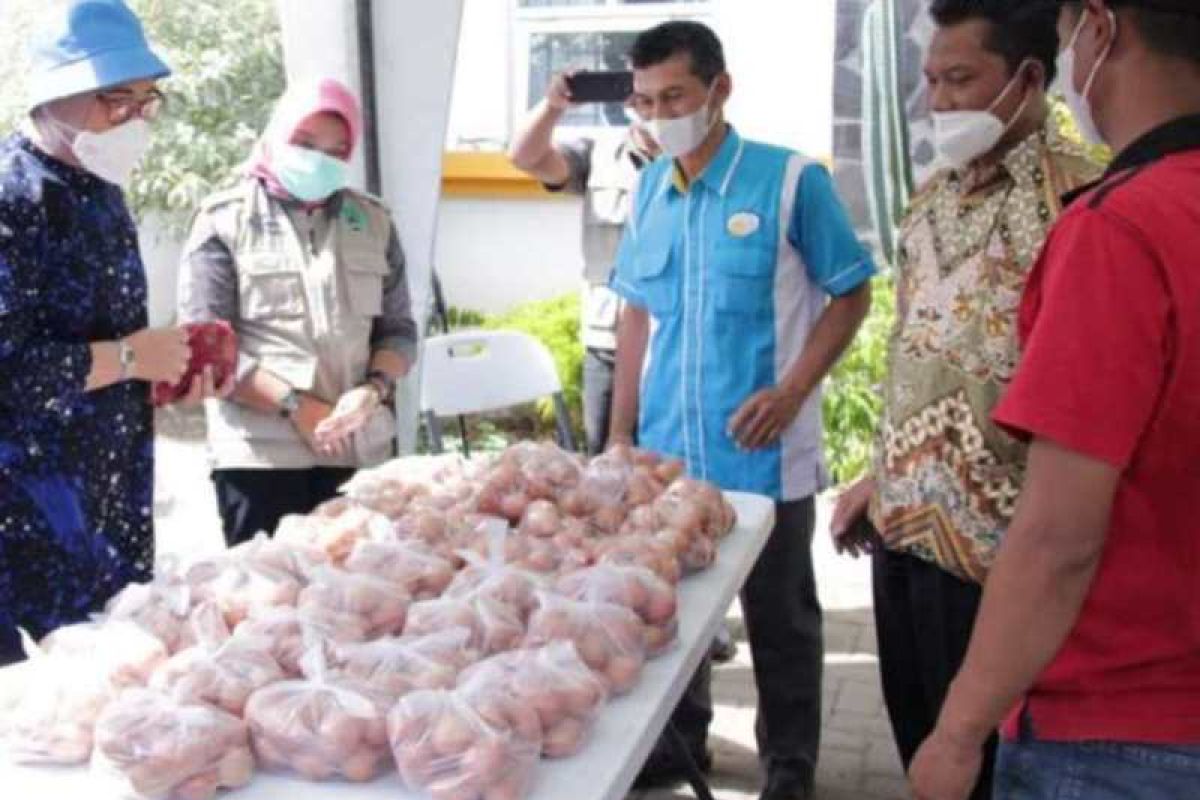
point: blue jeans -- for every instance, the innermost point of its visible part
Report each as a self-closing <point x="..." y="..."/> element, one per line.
<point x="1034" y="770"/>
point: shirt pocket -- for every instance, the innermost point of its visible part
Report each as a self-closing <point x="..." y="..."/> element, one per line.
<point x="743" y="278"/>
<point x="365" y="270"/>
<point x="270" y="288"/>
<point x="654" y="282"/>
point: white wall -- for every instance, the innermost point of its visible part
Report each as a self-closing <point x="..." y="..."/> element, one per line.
<point x="493" y="255"/>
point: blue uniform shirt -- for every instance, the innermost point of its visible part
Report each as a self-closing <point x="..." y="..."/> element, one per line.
<point x="734" y="272"/>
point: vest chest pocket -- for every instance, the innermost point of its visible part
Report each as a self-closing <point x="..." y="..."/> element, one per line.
<point x="653" y="282"/>
<point x="269" y="288"/>
<point x="742" y="278"/>
<point x="364" y="271"/>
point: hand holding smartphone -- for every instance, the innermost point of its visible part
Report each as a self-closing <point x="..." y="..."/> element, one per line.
<point x="600" y="87"/>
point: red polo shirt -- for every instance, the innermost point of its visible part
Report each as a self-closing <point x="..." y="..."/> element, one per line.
<point x="1110" y="330"/>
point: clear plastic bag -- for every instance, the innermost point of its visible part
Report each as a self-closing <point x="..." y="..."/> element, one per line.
<point x="151" y="747"/>
<point x="333" y="527"/>
<point x="524" y="473"/>
<point x="161" y="607"/>
<point x="376" y="606"/>
<point x="610" y="638"/>
<point x="641" y="551"/>
<point x="552" y="680"/>
<point x="503" y="582"/>
<point x="317" y="727"/>
<point x="653" y="599"/>
<point x="295" y="559"/>
<point x="289" y="632"/>
<point x="222" y="672"/>
<point x="419" y="569"/>
<point x="482" y="746"/>
<point x="238" y="588"/>
<point x="433" y="481"/>
<point x="53" y="720"/>
<point x="122" y="652"/>
<point x="695" y="506"/>
<point x="386" y="669"/>
<point x="494" y="626"/>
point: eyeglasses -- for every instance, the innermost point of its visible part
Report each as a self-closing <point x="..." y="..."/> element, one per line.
<point x="123" y="105"/>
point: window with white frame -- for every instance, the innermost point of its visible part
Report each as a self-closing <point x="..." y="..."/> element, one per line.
<point x="551" y="36"/>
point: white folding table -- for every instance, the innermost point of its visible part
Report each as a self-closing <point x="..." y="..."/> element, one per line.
<point x="604" y="770"/>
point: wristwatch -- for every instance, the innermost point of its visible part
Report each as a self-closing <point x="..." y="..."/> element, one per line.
<point x="126" y="358"/>
<point x="385" y="384"/>
<point x="289" y="404"/>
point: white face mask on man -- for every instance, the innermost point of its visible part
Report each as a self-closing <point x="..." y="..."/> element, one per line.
<point x="1077" y="101"/>
<point x="111" y="155"/>
<point x="679" y="136"/>
<point x="963" y="136"/>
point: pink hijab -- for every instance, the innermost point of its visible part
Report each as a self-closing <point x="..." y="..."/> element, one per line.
<point x="300" y="102"/>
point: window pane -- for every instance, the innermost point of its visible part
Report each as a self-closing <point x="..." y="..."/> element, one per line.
<point x="550" y="53"/>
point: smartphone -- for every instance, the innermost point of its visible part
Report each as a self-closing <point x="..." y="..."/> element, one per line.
<point x="601" y="87"/>
<point x="213" y="344"/>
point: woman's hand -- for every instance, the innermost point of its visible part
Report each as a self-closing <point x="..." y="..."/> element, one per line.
<point x="205" y="387"/>
<point x="350" y="415"/>
<point x="308" y="417"/>
<point x="160" y="354"/>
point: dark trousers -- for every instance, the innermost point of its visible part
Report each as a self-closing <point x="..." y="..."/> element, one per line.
<point x="783" y="625"/>
<point x="253" y="500"/>
<point x="599" y="366"/>
<point x="923" y="621"/>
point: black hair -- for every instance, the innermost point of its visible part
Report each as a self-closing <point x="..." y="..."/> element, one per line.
<point x="1175" y="34"/>
<point x="1020" y="29"/>
<point x="665" y="41"/>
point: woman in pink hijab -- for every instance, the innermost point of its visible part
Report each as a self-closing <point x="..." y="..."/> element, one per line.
<point x="311" y="275"/>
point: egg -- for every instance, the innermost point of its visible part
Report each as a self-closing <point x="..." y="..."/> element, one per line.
<point x="564" y="739"/>
<point x="594" y="649"/>
<point x="623" y="672"/>
<point x="361" y="766"/>
<point x="312" y="767"/>
<point x="451" y="735"/>
<point x="661" y="606"/>
<point x="236" y="768"/>
<point x="512" y="787"/>
<point x="201" y="787"/>
<point x="486" y="759"/>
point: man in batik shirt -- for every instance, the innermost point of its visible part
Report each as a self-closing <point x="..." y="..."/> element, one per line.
<point x="945" y="479"/>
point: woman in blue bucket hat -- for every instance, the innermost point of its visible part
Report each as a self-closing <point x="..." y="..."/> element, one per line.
<point x="76" y="356"/>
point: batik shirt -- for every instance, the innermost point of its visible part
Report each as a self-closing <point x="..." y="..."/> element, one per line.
<point x="76" y="467"/>
<point x="948" y="478"/>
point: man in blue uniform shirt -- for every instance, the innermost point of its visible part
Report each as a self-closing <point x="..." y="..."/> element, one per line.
<point x="744" y="282"/>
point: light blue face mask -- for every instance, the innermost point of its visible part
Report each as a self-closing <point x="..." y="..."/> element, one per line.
<point x="309" y="175"/>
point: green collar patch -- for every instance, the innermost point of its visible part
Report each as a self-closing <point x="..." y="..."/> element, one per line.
<point x="354" y="216"/>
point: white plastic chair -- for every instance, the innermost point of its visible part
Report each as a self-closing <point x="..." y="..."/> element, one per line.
<point x="469" y="372"/>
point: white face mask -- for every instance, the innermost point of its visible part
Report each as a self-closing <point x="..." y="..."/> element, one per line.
<point x="1078" y="101"/>
<point x="682" y="135"/>
<point x="963" y="136"/>
<point x="111" y="155"/>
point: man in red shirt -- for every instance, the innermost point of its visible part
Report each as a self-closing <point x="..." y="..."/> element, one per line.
<point x="1087" y="646"/>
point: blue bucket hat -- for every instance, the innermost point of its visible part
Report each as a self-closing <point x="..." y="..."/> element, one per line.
<point x="88" y="46"/>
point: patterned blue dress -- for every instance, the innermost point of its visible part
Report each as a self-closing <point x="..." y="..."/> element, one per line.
<point x="76" y="468"/>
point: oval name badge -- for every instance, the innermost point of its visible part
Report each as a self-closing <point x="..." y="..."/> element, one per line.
<point x="743" y="224"/>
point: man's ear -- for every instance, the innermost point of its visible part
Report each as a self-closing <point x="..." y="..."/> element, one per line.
<point x="722" y="89"/>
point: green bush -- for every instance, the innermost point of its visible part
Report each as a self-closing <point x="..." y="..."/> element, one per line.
<point x="853" y="400"/>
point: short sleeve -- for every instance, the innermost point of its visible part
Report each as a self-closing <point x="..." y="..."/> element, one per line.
<point x="821" y="231"/>
<point x="578" y="154"/>
<point x="1094" y="324"/>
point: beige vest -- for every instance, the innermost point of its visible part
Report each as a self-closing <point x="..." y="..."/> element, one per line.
<point x="307" y="297"/>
